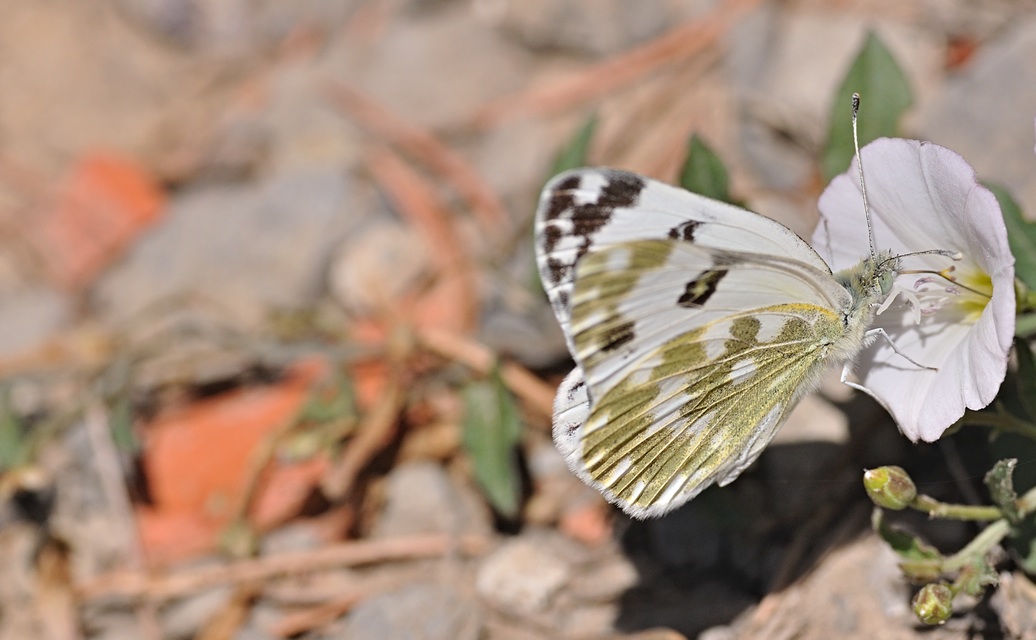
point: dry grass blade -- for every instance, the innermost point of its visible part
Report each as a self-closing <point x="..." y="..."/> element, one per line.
<point x="139" y="584"/>
<point x="317" y="616"/>
<point x="419" y="203"/>
<point x="425" y="147"/>
<point x="109" y="468"/>
<point x="521" y="382"/>
<point x="679" y="44"/>
<point x="55" y="605"/>
<point x="229" y="619"/>
<point x="373" y="433"/>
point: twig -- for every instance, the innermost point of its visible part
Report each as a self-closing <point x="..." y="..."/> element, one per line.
<point x="138" y="584"/>
<point x="425" y="147"/>
<point x="373" y="433"/>
<point x="679" y="44"/>
<point x="538" y="394"/>
<point x="228" y="620"/>
<point x="317" y="616"/>
<point x="108" y="469"/>
<point x="418" y="201"/>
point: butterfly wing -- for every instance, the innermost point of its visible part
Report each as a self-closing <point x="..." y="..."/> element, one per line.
<point x="690" y="360"/>
<point x="695" y="326"/>
<point x="585" y="210"/>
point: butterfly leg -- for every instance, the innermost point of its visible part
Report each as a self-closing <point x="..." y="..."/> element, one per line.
<point x="878" y="331"/>
<point x="846" y="370"/>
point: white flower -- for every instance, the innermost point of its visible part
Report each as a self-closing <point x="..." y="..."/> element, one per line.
<point x="923" y="197"/>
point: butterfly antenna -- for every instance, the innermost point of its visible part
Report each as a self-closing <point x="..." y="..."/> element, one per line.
<point x="863" y="183"/>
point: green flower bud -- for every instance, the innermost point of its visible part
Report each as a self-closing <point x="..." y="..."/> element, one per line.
<point x="889" y="487"/>
<point x="933" y="604"/>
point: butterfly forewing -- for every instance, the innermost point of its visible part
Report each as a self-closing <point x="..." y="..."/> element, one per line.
<point x="585" y="210"/>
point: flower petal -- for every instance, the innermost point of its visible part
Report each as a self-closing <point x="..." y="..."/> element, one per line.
<point x="923" y="197"/>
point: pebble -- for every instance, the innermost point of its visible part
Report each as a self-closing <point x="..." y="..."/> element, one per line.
<point x="376" y="266"/>
<point x="420" y="497"/>
<point x="29" y="317"/>
<point x="185" y="617"/>
<point x="523" y="576"/>
<point x="590" y="27"/>
<point x="454" y="62"/>
<point x="233" y="26"/>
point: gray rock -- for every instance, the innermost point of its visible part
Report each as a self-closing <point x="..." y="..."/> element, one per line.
<point x="592" y="27"/>
<point x="986" y="112"/>
<point x="185" y="617"/>
<point x="784" y="67"/>
<point x="233" y="25"/>
<point x="377" y="265"/>
<point x="1015" y="602"/>
<point x="421" y="498"/>
<point x="604" y="579"/>
<point x="432" y="69"/>
<point x="29" y="317"/>
<point x="250" y="249"/>
<point x="415" y="612"/>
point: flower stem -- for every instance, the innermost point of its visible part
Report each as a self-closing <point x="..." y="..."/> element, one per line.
<point x="1001" y="421"/>
<point x="1025" y="325"/>
<point x="979" y="546"/>
<point x="1025" y="299"/>
<point x="1027" y="503"/>
<point x="937" y="509"/>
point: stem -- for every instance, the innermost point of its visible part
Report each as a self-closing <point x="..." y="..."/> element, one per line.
<point x="1002" y="421"/>
<point x="1025" y="324"/>
<point x="1025" y="298"/>
<point x="1027" y="503"/>
<point x="937" y="509"/>
<point x="979" y="546"/>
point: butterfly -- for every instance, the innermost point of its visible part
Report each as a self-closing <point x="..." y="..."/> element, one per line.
<point x="695" y="325"/>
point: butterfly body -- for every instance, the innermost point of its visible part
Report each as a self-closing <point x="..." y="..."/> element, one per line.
<point x="695" y="326"/>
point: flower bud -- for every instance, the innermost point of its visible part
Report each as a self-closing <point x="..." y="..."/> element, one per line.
<point x="889" y="487"/>
<point x="933" y="604"/>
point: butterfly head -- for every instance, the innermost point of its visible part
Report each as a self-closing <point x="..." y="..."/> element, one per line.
<point x="870" y="281"/>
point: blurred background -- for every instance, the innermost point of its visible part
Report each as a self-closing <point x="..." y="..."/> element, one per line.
<point x="275" y="361"/>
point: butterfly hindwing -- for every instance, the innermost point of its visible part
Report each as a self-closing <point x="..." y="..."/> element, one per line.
<point x="689" y="359"/>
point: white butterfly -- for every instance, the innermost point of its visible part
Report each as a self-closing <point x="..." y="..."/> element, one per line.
<point x="695" y="326"/>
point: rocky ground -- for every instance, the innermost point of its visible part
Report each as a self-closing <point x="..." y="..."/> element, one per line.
<point x="254" y="256"/>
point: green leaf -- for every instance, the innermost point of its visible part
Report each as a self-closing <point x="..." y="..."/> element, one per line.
<point x="120" y="421"/>
<point x="919" y="560"/>
<point x="333" y="401"/>
<point x="13" y="440"/>
<point x="576" y="151"/>
<point x="976" y="576"/>
<point x="1025" y="325"/>
<point x="1000" y="482"/>
<point x="885" y="94"/>
<point x="1021" y="234"/>
<point x="703" y="172"/>
<point x="490" y="436"/>
<point x="1022" y="544"/>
